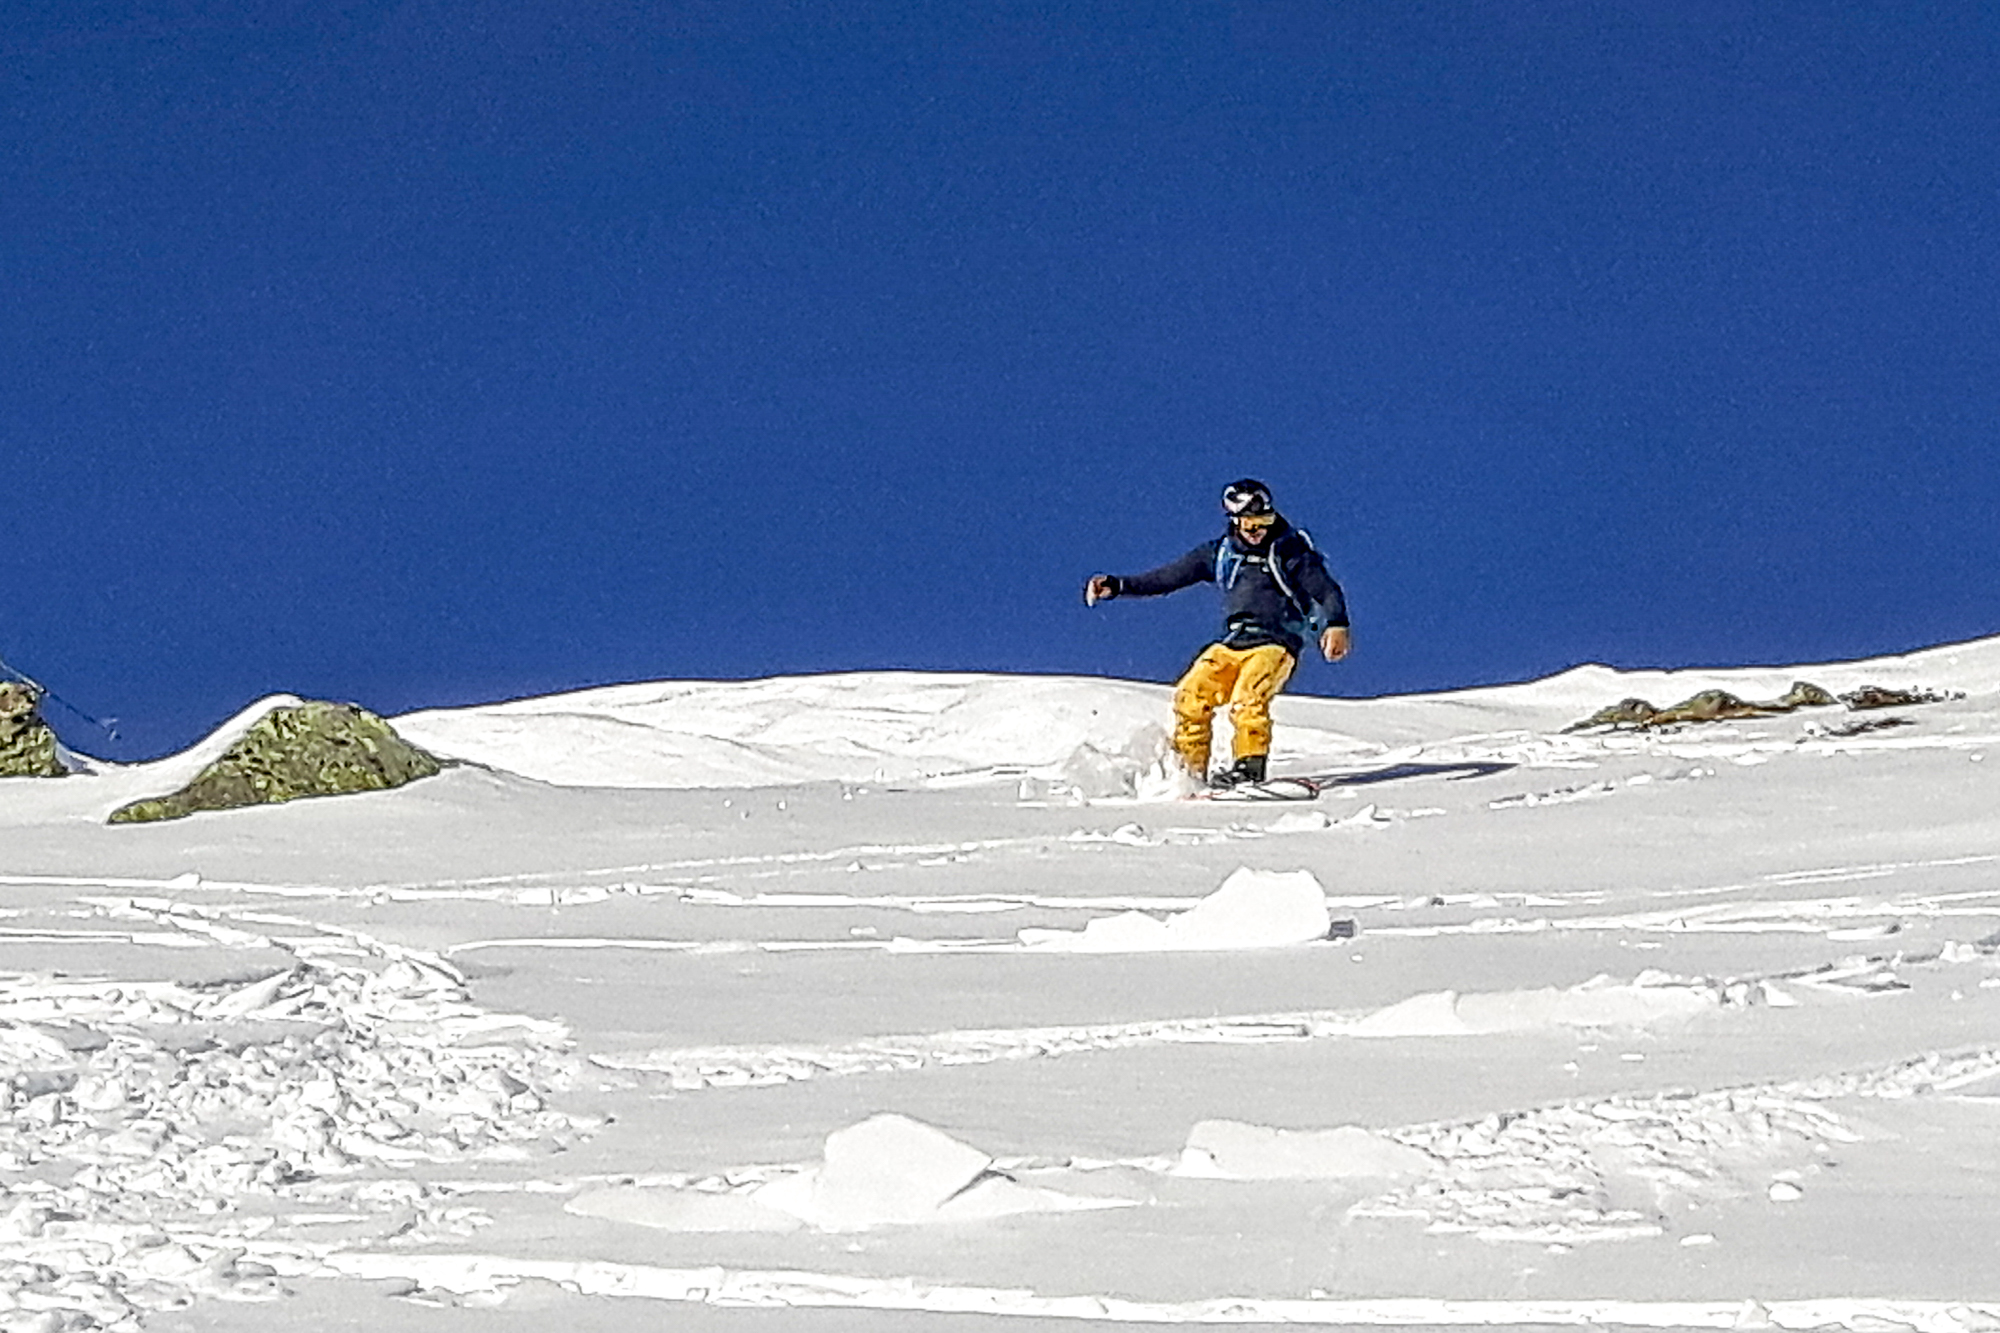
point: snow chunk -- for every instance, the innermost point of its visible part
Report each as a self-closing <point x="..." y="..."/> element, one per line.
<point x="890" y="1169"/>
<point x="878" y="1189"/>
<point x="1231" y="1150"/>
<point x="1254" y="909"/>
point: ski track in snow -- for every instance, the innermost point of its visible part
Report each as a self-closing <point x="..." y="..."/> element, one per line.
<point x="154" y="1110"/>
<point x="1548" y="1174"/>
<point x="705" y="1067"/>
<point x="492" y="1275"/>
<point x="1598" y="1170"/>
<point x="168" y="1106"/>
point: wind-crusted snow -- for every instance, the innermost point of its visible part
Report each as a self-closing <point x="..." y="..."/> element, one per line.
<point x="919" y="993"/>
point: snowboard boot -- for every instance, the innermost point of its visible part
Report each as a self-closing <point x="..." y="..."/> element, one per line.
<point x="1250" y="768"/>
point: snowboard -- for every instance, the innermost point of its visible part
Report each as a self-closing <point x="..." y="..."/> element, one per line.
<point x="1272" y="789"/>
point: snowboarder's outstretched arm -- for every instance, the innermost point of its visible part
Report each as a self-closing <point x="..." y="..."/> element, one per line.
<point x="1197" y="566"/>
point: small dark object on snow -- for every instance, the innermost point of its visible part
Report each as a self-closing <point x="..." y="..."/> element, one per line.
<point x="27" y="746"/>
<point x="310" y="749"/>
<point x="1880" y="696"/>
<point x="1866" y="725"/>
<point x="1343" y="929"/>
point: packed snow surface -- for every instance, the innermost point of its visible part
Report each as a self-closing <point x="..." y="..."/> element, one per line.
<point x="925" y="996"/>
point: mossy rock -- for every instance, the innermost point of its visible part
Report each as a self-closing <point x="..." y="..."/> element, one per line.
<point x="1805" y="694"/>
<point x="310" y="749"/>
<point x="1708" y="706"/>
<point x="1881" y="696"/>
<point x="27" y="746"/>
<point x="1624" y="713"/>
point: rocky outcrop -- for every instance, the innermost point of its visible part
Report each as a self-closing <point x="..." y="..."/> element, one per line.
<point x="1708" y="706"/>
<point x="27" y="746"/>
<point x="1717" y="705"/>
<point x="1881" y="696"/>
<point x="311" y="749"/>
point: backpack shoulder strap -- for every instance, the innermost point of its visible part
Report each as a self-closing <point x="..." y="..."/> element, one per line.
<point x="1228" y="564"/>
<point x="1280" y="557"/>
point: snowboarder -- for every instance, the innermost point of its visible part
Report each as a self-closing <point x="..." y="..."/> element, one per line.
<point x="1275" y="593"/>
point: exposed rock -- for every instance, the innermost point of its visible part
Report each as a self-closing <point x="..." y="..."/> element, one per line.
<point x="1881" y="696"/>
<point x="1805" y="694"/>
<point x="1624" y="713"/>
<point x="27" y="746"/>
<point x="1707" y="706"/>
<point x="1716" y="705"/>
<point x="312" y="749"/>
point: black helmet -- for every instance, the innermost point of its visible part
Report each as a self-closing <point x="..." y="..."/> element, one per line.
<point x="1245" y="497"/>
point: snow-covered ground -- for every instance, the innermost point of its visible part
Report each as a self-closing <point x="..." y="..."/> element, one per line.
<point x="917" y="1002"/>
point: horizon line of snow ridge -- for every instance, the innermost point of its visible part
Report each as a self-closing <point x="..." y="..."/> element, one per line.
<point x="923" y="726"/>
<point x="1097" y="735"/>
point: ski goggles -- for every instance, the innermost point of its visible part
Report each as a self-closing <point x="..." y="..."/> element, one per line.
<point x="1254" y="522"/>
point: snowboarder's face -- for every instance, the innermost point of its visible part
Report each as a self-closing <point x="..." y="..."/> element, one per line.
<point x="1254" y="528"/>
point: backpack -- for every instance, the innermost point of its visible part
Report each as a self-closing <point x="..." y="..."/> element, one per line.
<point x="1230" y="564"/>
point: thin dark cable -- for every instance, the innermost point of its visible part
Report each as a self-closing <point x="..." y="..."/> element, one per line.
<point x="107" y="725"/>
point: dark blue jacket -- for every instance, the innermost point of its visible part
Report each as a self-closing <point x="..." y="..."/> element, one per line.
<point x="1275" y="592"/>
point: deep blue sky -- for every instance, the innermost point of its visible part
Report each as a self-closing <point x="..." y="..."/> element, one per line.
<point x="422" y="353"/>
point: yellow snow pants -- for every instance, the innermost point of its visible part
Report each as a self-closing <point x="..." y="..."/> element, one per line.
<point x="1247" y="679"/>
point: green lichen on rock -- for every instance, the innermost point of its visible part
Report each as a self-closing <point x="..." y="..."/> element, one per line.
<point x="27" y="746"/>
<point x="311" y="749"/>
<point x="1624" y="713"/>
<point x="1707" y="706"/>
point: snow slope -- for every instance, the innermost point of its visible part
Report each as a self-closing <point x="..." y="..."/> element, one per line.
<point x="902" y="727"/>
<point x="890" y="999"/>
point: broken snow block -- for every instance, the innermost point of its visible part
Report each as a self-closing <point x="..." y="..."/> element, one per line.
<point x="27" y="746"/>
<point x="311" y="749"/>
<point x="1231" y="1150"/>
<point x="1255" y="909"/>
<point x="890" y="1170"/>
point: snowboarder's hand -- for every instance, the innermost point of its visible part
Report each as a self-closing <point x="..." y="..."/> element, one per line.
<point x="1101" y="588"/>
<point x="1335" y="641"/>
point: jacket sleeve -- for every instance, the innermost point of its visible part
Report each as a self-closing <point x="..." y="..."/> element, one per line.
<point x="1326" y="605"/>
<point x="1197" y="566"/>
